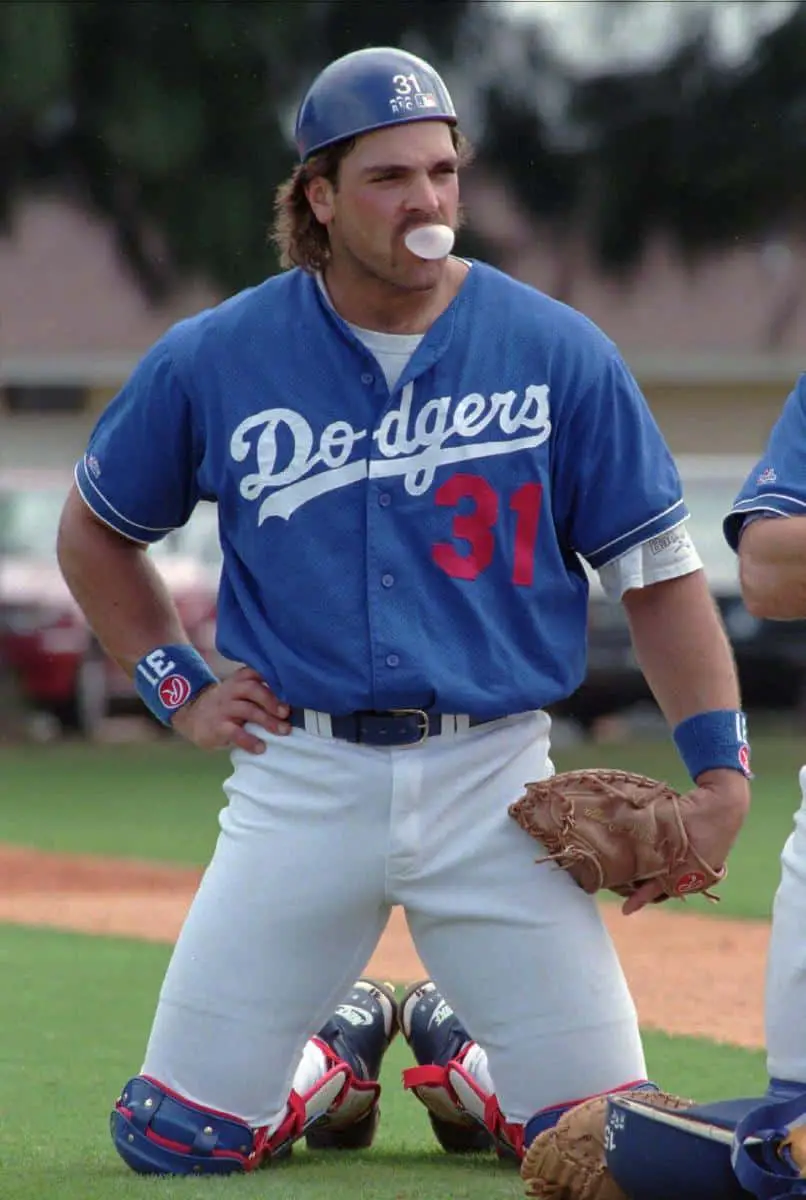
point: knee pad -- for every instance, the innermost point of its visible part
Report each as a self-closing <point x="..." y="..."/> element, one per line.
<point x="451" y="1094"/>
<point x="156" y="1132"/>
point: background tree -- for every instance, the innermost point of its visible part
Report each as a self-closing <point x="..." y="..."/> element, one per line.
<point x="174" y="120"/>
<point x="711" y="151"/>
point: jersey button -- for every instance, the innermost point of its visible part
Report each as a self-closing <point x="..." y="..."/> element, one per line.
<point x="384" y="499"/>
<point x="387" y="580"/>
<point x="392" y="660"/>
<point x="367" y="378"/>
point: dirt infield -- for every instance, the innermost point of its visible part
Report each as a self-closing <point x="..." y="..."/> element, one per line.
<point x="690" y="974"/>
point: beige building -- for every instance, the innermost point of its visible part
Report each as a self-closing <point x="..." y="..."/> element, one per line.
<point x="72" y="325"/>
<point x="717" y="345"/>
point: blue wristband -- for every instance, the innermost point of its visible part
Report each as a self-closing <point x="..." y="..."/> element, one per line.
<point x="713" y="740"/>
<point x="168" y="677"/>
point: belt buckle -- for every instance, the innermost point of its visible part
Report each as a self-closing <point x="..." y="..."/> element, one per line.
<point x="422" y="721"/>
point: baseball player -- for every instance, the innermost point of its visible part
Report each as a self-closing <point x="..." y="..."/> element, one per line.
<point x="772" y="561"/>
<point x="412" y="454"/>
<point x="750" y="1145"/>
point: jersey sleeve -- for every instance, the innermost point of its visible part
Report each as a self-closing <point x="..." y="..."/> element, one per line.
<point x="776" y="486"/>
<point x="615" y="482"/>
<point x="138" y="473"/>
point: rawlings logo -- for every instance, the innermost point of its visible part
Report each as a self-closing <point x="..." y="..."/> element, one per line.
<point x="296" y="467"/>
<point x="693" y="881"/>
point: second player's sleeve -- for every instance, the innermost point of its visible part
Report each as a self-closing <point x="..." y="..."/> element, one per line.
<point x="776" y="486"/>
<point x="615" y="482"/>
<point x="139" y="470"/>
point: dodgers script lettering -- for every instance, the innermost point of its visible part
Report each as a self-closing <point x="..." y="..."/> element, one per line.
<point x="407" y="446"/>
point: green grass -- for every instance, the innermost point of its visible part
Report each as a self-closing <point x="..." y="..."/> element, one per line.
<point x="75" y="1012"/>
<point x="161" y="800"/>
<point x="157" y="800"/>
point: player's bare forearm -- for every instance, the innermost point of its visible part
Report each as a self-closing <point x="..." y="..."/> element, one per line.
<point x="772" y="567"/>
<point x="682" y="647"/>
<point x="124" y="598"/>
<point x="118" y="588"/>
<point x="688" y="663"/>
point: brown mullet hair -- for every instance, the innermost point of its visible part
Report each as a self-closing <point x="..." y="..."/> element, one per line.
<point x="301" y="240"/>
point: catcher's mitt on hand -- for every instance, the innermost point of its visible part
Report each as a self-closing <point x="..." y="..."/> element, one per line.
<point x="615" y="830"/>
<point x="568" y="1162"/>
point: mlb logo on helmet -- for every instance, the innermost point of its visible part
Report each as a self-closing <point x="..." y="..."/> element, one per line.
<point x="368" y="90"/>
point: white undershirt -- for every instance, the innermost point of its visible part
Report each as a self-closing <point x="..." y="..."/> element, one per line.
<point x="667" y="556"/>
<point x="392" y="350"/>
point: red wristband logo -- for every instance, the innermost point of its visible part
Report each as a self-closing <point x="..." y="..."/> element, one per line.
<point x="174" y="691"/>
<point x="744" y="759"/>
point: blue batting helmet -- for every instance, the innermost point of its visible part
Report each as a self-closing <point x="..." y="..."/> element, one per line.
<point x="366" y="90"/>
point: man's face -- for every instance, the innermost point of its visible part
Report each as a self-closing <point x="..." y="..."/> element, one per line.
<point x="390" y="182"/>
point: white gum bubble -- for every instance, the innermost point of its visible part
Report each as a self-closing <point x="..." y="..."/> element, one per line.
<point x="430" y="241"/>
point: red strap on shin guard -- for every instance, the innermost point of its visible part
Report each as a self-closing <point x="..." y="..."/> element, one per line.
<point x="460" y="1091"/>
<point x="427" y="1076"/>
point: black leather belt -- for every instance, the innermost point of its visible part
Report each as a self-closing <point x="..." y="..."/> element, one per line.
<point x="396" y="727"/>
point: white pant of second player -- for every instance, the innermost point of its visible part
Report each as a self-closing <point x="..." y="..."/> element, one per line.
<point x="785" y="999"/>
<point x="319" y="839"/>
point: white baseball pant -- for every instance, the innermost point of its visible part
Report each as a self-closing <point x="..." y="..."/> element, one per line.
<point x="319" y="839"/>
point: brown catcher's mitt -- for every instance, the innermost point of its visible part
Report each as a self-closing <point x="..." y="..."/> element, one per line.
<point x="615" y="830"/>
<point x="568" y="1162"/>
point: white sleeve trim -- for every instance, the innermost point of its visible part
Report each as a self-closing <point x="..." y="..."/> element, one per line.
<point x="636" y="529"/>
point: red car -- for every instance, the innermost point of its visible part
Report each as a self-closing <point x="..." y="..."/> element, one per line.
<point x="45" y="641"/>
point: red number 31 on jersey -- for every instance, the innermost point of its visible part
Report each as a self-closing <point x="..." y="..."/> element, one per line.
<point x="478" y="528"/>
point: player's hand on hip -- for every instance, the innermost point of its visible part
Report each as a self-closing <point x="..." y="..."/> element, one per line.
<point x="215" y="719"/>
<point x="718" y="807"/>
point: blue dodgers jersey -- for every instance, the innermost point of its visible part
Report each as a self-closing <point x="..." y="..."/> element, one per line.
<point x="777" y="483"/>
<point x="414" y="549"/>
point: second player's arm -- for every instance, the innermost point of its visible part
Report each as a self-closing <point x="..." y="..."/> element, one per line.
<point x="131" y="612"/>
<point x="772" y="564"/>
